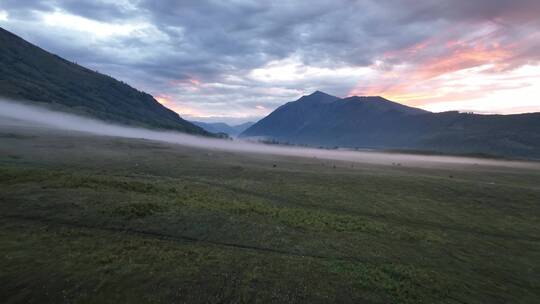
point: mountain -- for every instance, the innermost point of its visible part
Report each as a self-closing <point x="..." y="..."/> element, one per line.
<point x="244" y="126"/>
<point x="32" y="74"/>
<point x="221" y="127"/>
<point x="320" y="119"/>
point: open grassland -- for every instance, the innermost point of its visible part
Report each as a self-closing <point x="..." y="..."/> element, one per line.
<point x="87" y="219"/>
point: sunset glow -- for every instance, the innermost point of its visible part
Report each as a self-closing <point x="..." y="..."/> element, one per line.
<point x="285" y="151"/>
<point x="175" y="106"/>
<point x="470" y="56"/>
<point x="479" y="73"/>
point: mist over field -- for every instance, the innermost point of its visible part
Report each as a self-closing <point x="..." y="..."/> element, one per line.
<point x="270" y="151"/>
<point x="30" y="114"/>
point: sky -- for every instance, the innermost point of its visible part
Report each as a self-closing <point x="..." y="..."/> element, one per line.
<point x="238" y="60"/>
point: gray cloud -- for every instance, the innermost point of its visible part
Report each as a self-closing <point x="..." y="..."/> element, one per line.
<point x="220" y="43"/>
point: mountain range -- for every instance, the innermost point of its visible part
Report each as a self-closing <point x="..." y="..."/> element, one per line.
<point x="374" y="122"/>
<point x="29" y="73"/>
<point x="221" y="127"/>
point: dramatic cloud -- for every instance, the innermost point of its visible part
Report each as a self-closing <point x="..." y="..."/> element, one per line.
<point x="241" y="59"/>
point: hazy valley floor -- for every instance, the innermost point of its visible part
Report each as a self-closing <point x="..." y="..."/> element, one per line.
<point x="89" y="219"/>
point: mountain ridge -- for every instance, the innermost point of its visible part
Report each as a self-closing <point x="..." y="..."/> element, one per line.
<point x="378" y="123"/>
<point x="30" y="73"/>
<point x="221" y="127"/>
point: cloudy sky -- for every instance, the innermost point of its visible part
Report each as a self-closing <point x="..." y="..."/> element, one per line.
<point x="238" y="60"/>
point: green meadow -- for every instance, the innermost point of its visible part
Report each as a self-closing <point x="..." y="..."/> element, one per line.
<point x="89" y="219"/>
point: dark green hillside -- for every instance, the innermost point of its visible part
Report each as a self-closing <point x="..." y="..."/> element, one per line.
<point x="30" y="73"/>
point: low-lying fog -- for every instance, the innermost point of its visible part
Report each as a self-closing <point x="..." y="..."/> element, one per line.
<point x="32" y="115"/>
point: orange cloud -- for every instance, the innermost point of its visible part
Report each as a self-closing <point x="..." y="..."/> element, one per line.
<point x="168" y="102"/>
<point x="426" y="72"/>
<point x="163" y="99"/>
<point x="464" y="56"/>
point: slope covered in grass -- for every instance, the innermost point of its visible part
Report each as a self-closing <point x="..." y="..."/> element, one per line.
<point x="97" y="219"/>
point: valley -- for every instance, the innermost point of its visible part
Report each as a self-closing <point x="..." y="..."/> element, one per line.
<point x="89" y="218"/>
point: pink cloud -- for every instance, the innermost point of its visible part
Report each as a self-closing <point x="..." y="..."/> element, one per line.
<point x="428" y="71"/>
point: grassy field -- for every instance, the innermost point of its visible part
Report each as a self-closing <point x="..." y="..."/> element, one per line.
<point x="88" y="219"/>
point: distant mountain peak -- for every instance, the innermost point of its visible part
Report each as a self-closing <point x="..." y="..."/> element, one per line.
<point x="221" y="127"/>
<point x="318" y="97"/>
<point x="375" y="122"/>
<point x="319" y="93"/>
